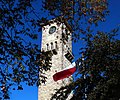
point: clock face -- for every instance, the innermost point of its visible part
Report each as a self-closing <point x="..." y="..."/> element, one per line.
<point x="52" y="29"/>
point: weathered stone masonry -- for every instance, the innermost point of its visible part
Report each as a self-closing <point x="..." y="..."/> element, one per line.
<point x="56" y="37"/>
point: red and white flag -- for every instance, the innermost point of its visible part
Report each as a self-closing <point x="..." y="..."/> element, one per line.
<point x="65" y="72"/>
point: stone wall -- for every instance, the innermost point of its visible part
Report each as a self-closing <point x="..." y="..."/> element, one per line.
<point x="59" y="61"/>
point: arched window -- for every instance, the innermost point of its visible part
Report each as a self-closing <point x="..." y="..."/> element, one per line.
<point x="47" y="46"/>
<point x="52" y="45"/>
<point x="56" y="45"/>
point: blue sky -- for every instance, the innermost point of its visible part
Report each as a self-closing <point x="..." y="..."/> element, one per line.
<point x="112" y="21"/>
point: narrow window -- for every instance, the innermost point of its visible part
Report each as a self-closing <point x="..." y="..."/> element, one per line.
<point x="56" y="46"/>
<point x="51" y="45"/>
<point x="47" y="46"/>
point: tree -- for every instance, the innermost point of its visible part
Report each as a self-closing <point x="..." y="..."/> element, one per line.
<point x="80" y="14"/>
<point x="100" y="70"/>
<point x="21" y="59"/>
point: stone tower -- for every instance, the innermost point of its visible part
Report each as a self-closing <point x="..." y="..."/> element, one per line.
<point x="56" y="37"/>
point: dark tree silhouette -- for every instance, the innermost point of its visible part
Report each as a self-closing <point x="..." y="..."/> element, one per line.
<point x="81" y="14"/>
<point x="22" y="61"/>
<point x="100" y="70"/>
<point x="20" y="57"/>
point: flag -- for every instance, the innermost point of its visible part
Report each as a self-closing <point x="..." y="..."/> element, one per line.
<point x="65" y="73"/>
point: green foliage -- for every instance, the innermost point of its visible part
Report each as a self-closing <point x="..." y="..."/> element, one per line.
<point x="22" y="61"/>
<point x="20" y="57"/>
<point x="79" y="13"/>
<point x="101" y="68"/>
<point x="102" y="56"/>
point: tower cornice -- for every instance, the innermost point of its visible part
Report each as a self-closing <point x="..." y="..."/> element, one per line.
<point x="58" y="20"/>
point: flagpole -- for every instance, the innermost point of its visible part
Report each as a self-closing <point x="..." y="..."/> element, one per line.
<point x="84" y="76"/>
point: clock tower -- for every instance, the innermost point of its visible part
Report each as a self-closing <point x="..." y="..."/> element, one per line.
<point x="56" y="38"/>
